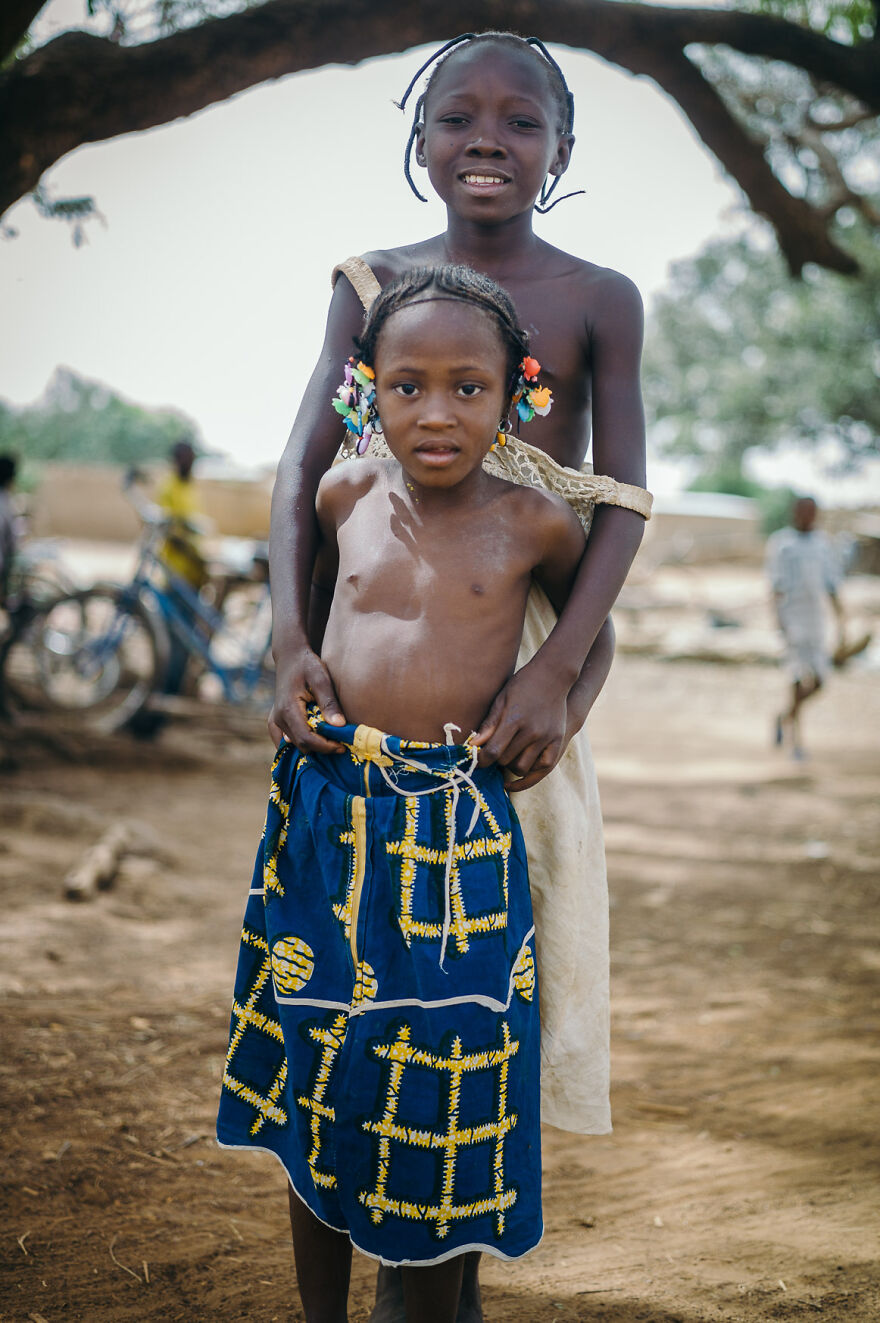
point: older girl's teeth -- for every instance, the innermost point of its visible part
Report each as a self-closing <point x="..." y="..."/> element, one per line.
<point x="483" y="179"/>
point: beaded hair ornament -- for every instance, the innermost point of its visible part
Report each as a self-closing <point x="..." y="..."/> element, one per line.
<point x="355" y="400"/>
<point x="530" y="399"/>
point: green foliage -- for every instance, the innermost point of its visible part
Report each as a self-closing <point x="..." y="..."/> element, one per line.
<point x="82" y="421"/>
<point x="845" y="20"/>
<point x="774" y="503"/>
<point x="75" y="211"/>
<point x="821" y="142"/>
<point x="741" y="356"/>
<point x="72" y="210"/>
<point x="134" y="21"/>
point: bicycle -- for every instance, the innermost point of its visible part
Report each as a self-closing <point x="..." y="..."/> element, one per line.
<point x="104" y="652"/>
<point x="38" y="573"/>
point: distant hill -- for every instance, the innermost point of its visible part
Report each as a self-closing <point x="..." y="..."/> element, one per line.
<point x="84" y="421"/>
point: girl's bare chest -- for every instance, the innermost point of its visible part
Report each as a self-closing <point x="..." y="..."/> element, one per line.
<point x="396" y="563"/>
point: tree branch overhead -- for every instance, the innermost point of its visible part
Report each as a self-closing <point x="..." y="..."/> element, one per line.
<point x="80" y="88"/>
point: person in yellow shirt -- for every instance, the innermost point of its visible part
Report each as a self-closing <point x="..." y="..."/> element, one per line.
<point x="177" y="498"/>
<point x="181" y="554"/>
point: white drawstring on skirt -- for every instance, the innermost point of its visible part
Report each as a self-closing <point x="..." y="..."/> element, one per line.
<point x="453" y="780"/>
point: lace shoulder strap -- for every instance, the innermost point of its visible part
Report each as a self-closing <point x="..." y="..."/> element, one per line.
<point x="361" y="276"/>
<point x="526" y="465"/>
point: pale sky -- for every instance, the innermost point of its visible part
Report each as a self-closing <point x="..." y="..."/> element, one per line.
<point x="208" y="287"/>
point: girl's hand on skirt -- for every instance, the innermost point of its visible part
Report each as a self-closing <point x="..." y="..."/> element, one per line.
<point x="526" y="728"/>
<point x="303" y="682"/>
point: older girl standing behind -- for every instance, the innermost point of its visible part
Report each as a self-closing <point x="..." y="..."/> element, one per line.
<point x="493" y="129"/>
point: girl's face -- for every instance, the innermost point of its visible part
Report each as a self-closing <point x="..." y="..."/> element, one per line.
<point x="491" y="135"/>
<point x="441" y="388"/>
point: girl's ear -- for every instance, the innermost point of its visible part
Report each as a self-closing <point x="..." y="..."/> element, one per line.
<point x="561" y="160"/>
<point x="420" y="145"/>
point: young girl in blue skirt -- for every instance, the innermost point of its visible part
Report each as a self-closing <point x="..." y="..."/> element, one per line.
<point x="385" y="1040"/>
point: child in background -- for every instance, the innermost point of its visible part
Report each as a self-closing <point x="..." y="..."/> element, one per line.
<point x="385" y="1036"/>
<point x="804" y="575"/>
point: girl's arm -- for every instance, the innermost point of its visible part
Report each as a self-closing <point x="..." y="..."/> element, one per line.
<point x="326" y="567"/>
<point x="300" y="675"/>
<point x="563" y="549"/>
<point x="581" y="698"/>
<point x="532" y="723"/>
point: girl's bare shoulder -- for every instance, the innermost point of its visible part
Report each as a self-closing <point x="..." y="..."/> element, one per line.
<point x="554" y="269"/>
<point x="613" y="300"/>
<point x="546" y="513"/>
<point x="597" y="286"/>
<point x="387" y="263"/>
<point x="348" y="482"/>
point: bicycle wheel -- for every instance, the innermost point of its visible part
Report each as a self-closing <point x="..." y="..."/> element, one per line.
<point x="98" y="653"/>
<point x="242" y="649"/>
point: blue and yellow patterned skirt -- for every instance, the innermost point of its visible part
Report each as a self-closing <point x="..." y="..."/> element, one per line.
<point x="385" y="1036"/>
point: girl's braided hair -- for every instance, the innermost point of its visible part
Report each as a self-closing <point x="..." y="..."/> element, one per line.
<point x="428" y="284"/>
<point x="556" y="82"/>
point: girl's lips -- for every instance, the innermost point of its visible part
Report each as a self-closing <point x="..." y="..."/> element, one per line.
<point x="437" y="455"/>
<point x="483" y="181"/>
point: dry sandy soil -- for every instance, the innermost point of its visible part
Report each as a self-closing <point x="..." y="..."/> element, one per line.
<point x="741" y="1179"/>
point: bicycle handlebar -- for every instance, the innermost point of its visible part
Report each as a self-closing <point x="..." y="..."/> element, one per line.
<point x="147" y="511"/>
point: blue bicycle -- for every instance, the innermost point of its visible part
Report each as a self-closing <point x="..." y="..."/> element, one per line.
<point x="108" y="652"/>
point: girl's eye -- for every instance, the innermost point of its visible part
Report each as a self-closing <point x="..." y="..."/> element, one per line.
<point x="453" y="119"/>
<point x="405" y="388"/>
<point x="469" y="389"/>
<point x="525" y="124"/>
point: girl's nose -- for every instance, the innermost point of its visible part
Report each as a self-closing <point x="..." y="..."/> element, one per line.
<point x="436" y="414"/>
<point x="484" y="146"/>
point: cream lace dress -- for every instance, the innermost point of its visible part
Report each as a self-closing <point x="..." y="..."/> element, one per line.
<point x="562" y="825"/>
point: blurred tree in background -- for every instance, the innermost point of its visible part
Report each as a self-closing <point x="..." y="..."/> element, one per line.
<point x="781" y="91"/>
<point x="82" y="421"/>
<point x="741" y="357"/>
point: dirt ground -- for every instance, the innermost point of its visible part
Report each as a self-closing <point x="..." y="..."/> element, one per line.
<point x="741" y="1179"/>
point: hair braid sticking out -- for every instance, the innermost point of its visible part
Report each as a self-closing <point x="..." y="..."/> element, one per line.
<point x="460" y="283"/>
<point x="556" y="81"/>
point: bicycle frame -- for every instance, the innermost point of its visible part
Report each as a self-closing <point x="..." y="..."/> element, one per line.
<point x="104" y="651"/>
<point x="183" y="611"/>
